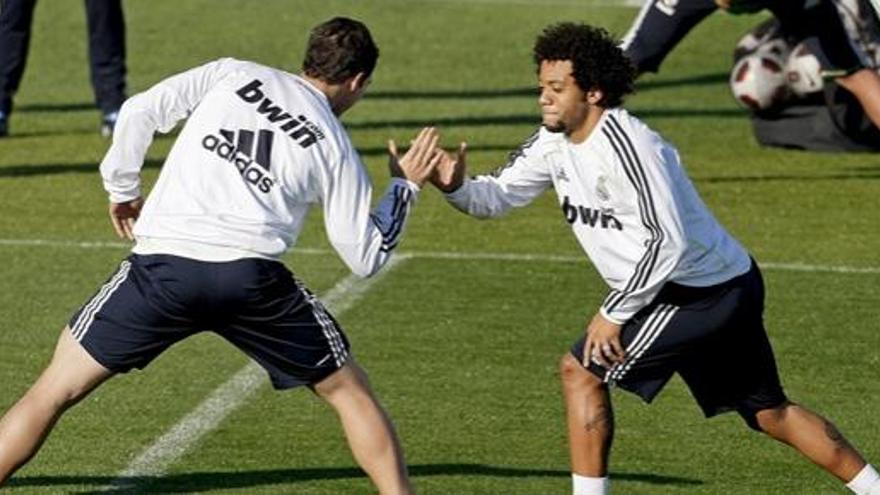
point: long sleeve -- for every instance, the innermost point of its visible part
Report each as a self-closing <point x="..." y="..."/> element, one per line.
<point x="364" y="239"/>
<point x="521" y="180"/>
<point x="652" y="176"/>
<point x="158" y="109"/>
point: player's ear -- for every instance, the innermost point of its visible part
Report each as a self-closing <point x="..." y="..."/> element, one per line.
<point x="595" y="96"/>
<point x="359" y="82"/>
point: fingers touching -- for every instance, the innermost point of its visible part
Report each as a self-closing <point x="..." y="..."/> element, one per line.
<point x="426" y="160"/>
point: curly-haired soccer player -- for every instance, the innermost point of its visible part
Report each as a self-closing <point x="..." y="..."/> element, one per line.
<point x="685" y="297"/>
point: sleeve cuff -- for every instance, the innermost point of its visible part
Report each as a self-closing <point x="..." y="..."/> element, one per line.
<point x="616" y="321"/>
<point x="458" y="194"/>
<point x="400" y="181"/>
<point x="124" y="197"/>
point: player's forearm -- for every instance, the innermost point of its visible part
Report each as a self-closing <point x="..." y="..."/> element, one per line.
<point x="120" y="169"/>
<point x="382" y="231"/>
<point x="480" y="197"/>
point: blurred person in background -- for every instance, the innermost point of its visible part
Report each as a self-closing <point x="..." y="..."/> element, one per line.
<point x="106" y="30"/>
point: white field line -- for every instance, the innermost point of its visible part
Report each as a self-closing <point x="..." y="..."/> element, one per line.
<point x="770" y="265"/>
<point x="171" y="446"/>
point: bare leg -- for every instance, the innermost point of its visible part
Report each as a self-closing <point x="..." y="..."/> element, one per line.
<point x="865" y="85"/>
<point x="369" y="431"/>
<point x="814" y="437"/>
<point x="590" y="418"/>
<point x="71" y="375"/>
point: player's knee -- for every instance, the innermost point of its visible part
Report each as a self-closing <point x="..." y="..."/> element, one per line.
<point x="770" y="420"/>
<point x="348" y="380"/>
<point x="574" y="375"/>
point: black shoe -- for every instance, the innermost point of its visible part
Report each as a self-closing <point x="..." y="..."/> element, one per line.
<point x="4" y="126"/>
<point x="108" y="123"/>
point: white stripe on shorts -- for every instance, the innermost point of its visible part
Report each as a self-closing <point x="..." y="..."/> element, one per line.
<point x="331" y="332"/>
<point x="651" y="329"/>
<point x="87" y="315"/>
<point x="636" y="25"/>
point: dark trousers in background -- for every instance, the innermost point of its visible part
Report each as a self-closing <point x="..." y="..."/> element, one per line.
<point x="106" y="27"/>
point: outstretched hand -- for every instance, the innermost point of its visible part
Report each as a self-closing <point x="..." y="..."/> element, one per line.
<point x="419" y="161"/>
<point x="124" y="215"/>
<point x="450" y="171"/>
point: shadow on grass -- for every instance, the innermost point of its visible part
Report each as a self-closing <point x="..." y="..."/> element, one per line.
<point x="61" y="168"/>
<point x="55" y="107"/>
<point x="698" y="80"/>
<point x="865" y="174"/>
<point x="205" y="481"/>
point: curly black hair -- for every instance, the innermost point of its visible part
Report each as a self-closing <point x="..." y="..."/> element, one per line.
<point x="597" y="60"/>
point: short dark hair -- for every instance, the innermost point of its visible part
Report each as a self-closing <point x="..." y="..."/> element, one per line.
<point x="339" y="49"/>
<point x="596" y="59"/>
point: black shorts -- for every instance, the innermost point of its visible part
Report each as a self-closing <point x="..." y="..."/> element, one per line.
<point x="154" y="301"/>
<point x="713" y="337"/>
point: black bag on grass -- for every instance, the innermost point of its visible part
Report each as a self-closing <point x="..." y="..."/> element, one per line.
<point x="830" y="121"/>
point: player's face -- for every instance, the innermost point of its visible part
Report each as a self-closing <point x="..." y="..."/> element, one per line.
<point x="563" y="103"/>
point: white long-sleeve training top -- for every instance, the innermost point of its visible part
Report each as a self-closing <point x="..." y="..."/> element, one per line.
<point x="258" y="148"/>
<point x="630" y="205"/>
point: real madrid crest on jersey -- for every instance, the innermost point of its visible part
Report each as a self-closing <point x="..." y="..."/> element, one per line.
<point x="602" y="188"/>
<point x="560" y="173"/>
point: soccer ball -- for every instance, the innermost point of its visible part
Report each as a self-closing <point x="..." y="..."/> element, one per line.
<point x="758" y="80"/>
<point x="803" y="71"/>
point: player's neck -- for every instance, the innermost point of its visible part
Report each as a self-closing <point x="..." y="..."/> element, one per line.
<point x="333" y="92"/>
<point x="583" y="131"/>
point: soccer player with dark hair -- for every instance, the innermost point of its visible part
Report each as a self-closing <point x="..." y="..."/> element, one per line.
<point x="259" y="147"/>
<point x="685" y="297"/>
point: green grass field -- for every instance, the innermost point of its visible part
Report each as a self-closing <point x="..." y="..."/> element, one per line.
<point x="461" y="343"/>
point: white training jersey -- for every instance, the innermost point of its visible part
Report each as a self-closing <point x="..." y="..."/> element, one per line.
<point x="629" y="203"/>
<point x="258" y="148"/>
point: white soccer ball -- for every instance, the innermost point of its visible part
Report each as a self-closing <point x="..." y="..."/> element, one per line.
<point x="803" y="71"/>
<point x="758" y="80"/>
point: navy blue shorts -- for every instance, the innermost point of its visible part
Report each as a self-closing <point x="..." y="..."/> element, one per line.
<point x="713" y="337"/>
<point x="154" y="301"/>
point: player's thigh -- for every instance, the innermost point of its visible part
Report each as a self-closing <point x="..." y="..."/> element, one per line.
<point x="283" y="326"/>
<point x="71" y="374"/>
<point x="142" y="309"/>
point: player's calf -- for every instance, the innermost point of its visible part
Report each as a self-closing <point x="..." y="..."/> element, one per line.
<point x="817" y="439"/>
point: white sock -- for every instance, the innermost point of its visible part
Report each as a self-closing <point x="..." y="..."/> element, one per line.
<point x="867" y="482"/>
<point x="585" y="485"/>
